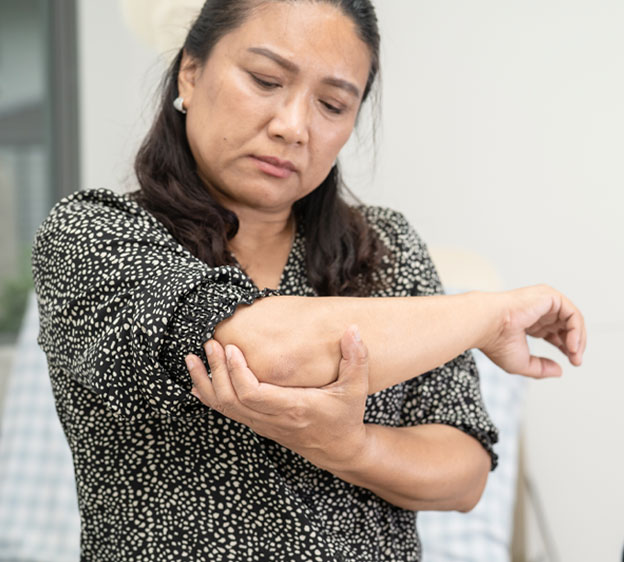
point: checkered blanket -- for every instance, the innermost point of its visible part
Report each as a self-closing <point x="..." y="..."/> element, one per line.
<point x="39" y="519"/>
<point x="484" y="534"/>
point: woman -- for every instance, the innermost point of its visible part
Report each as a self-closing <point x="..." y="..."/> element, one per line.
<point x="239" y="190"/>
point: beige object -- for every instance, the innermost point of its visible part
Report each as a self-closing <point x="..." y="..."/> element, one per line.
<point x="160" y="24"/>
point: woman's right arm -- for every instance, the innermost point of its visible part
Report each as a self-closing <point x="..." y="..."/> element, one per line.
<point x="295" y="341"/>
<point x="121" y="304"/>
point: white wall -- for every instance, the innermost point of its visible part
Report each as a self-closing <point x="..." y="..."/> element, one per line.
<point x="502" y="134"/>
<point x="117" y="77"/>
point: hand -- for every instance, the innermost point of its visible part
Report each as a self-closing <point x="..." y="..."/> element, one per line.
<point x="540" y="312"/>
<point x="324" y="425"/>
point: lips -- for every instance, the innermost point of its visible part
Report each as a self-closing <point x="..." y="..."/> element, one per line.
<point x="274" y="167"/>
<point x="286" y="164"/>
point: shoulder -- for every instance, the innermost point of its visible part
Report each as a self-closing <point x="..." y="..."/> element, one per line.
<point x="408" y="260"/>
<point x="100" y="211"/>
<point x="393" y="228"/>
<point x="99" y="202"/>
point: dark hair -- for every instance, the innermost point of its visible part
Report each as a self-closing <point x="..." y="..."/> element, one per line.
<point x="343" y="253"/>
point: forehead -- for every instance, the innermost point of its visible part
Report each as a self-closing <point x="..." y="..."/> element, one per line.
<point x="316" y="36"/>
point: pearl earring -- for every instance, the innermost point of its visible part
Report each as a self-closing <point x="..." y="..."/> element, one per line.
<point x="178" y="103"/>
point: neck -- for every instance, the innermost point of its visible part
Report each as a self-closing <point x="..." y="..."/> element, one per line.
<point x="262" y="246"/>
<point x="258" y="231"/>
<point x="263" y="241"/>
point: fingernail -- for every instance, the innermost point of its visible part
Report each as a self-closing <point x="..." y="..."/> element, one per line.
<point x="356" y="334"/>
<point x="190" y="362"/>
<point x="208" y="348"/>
<point x="195" y="392"/>
<point x="228" y="352"/>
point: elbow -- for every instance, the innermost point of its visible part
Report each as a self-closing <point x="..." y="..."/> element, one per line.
<point x="464" y="487"/>
<point x="474" y="488"/>
<point x="450" y="492"/>
<point x="276" y="352"/>
<point x="294" y="370"/>
<point x="470" y="500"/>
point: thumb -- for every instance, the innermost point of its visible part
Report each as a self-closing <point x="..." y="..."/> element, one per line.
<point x="354" y="363"/>
<point x="542" y="368"/>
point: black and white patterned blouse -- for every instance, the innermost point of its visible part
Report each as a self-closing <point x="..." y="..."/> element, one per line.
<point x="159" y="475"/>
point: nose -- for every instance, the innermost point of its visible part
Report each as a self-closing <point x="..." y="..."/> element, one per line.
<point x="290" y="122"/>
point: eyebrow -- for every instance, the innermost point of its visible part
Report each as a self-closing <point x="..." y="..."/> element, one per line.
<point x="293" y="68"/>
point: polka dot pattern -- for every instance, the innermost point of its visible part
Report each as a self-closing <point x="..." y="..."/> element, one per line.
<point x="161" y="477"/>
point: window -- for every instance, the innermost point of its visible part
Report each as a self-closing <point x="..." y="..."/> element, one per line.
<point x="38" y="135"/>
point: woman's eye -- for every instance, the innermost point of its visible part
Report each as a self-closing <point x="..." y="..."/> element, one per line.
<point x="332" y="108"/>
<point x="264" y="83"/>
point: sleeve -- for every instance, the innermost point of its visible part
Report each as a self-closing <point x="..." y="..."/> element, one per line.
<point x="449" y="394"/>
<point x="121" y="303"/>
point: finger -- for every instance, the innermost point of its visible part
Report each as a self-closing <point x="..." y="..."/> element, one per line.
<point x="577" y="358"/>
<point x="264" y="398"/>
<point x="278" y="410"/>
<point x="575" y="324"/>
<point x="250" y="391"/>
<point x="556" y="341"/>
<point x="543" y="325"/>
<point x="225" y="399"/>
<point x="202" y="386"/>
<point x="225" y="395"/>
<point x="570" y="327"/>
<point x="573" y="345"/>
<point x="542" y="368"/>
<point x="243" y="380"/>
<point x="353" y="368"/>
<point x="571" y="337"/>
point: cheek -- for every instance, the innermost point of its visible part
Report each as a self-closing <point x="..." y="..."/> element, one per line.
<point x="323" y="155"/>
<point x="330" y="144"/>
<point x="225" y="118"/>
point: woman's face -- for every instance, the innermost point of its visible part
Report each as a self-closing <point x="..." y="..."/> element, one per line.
<point x="274" y="103"/>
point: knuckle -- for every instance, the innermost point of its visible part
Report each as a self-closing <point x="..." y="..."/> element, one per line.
<point x="298" y="414"/>
<point x="362" y="361"/>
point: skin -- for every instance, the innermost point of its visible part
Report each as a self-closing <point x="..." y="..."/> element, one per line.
<point x="287" y="83"/>
<point x="243" y="103"/>
<point x="431" y="467"/>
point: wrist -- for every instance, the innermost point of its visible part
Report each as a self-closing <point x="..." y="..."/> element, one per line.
<point x="491" y="309"/>
<point x="354" y="467"/>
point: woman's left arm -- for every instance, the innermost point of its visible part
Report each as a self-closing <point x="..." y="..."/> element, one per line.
<point x="425" y="467"/>
<point x="422" y="468"/>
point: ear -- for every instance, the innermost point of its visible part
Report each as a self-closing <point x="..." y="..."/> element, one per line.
<point x="187" y="76"/>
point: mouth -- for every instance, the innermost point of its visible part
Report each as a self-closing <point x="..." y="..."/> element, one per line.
<point x="274" y="166"/>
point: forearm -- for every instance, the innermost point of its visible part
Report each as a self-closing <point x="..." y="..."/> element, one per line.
<point x="427" y="467"/>
<point x="294" y="341"/>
